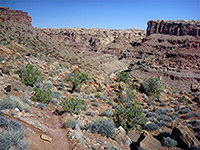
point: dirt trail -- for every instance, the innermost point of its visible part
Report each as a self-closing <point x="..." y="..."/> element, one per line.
<point x="50" y="124"/>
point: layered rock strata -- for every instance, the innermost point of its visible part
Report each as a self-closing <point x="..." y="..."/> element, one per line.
<point x="178" y="28"/>
<point x="17" y="16"/>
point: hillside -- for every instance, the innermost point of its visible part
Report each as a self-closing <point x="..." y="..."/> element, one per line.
<point x="75" y="88"/>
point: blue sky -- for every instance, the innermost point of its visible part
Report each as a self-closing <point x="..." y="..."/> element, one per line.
<point x="107" y="14"/>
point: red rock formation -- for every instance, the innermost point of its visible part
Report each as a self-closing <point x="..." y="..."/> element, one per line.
<point x="21" y="17"/>
<point x="98" y="39"/>
<point x="178" y="28"/>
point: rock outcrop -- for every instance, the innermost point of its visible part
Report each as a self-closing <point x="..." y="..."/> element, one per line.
<point x="109" y="41"/>
<point x="178" y="28"/>
<point x="184" y="137"/>
<point x="21" y="17"/>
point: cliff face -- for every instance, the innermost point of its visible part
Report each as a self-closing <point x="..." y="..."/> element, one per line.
<point x="108" y="41"/>
<point x="178" y="28"/>
<point x="17" y="16"/>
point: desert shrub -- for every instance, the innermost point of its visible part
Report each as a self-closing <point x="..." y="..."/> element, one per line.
<point x="151" y="126"/>
<point x="49" y="84"/>
<point x="168" y="119"/>
<point x="11" y="135"/>
<point x="77" y="79"/>
<point x="163" y="111"/>
<point x="125" y="96"/>
<point x="97" y="95"/>
<point x="173" y="115"/>
<point x="73" y="105"/>
<point x="106" y="113"/>
<point x="40" y="105"/>
<point x="84" y="105"/>
<point x="152" y="87"/>
<point x="184" y="111"/>
<point x="168" y="142"/>
<point x="56" y="95"/>
<point x="150" y="102"/>
<point x="42" y="94"/>
<point x="93" y="100"/>
<point x="10" y="102"/>
<point x="162" y="104"/>
<point x="89" y="113"/>
<point x="54" y="102"/>
<point x="122" y="76"/>
<point x="150" y="114"/>
<point x="163" y="134"/>
<point x="182" y="99"/>
<point x="95" y="104"/>
<point x="190" y="115"/>
<point x="176" y="108"/>
<point x="104" y="127"/>
<point x="162" y="123"/>
<point x="71" y="123"/>
<point x="129" y="116"/>
<point x="157" y="111"/>
<point x="161" y="117"/>
<point x="30" y="76"/>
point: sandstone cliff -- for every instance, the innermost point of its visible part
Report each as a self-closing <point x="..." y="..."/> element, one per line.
<point x="21" y="17"/>
<point x="110" y="41"/>
<point x="178" y="28"/>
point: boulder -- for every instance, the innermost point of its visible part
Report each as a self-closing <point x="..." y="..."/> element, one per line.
<point x="121" y="137"/>
<point x="148" y="142"/>
<point x="184" y="137"/>
<point x="88" y="89"/>
<point x="133" y="135"/>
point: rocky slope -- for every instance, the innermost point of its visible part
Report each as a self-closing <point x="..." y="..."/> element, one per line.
<point x="172" y="119"/>
<point x="7" y="14"/>
<point x="178" y="28"/>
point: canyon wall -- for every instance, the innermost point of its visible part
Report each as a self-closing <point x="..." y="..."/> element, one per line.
<point x="17" y="16"/>
<point x="97" y="39"/>
<point x="178" y="28"/>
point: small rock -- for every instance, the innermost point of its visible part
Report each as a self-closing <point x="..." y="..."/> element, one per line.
<point x="46" y="138"/>
<point x="194" y="87"/>
<point x="8" y="88"/>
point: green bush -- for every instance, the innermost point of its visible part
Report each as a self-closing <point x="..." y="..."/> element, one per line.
<point x="122" y="76"/>
<point x="30" y="76"/>
<point x="98" y="95"/>
<point x="73" y="105"/>
<point x="77" y="79"/>
<point x="71" y="123"/>
<point x="152" y="87"/>
<point x="42" y="94"/>
<point x="104" y="127"/>
<point x="129" y="116"/>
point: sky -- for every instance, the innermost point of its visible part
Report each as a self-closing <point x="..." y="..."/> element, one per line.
<point x="106" y="14"/>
